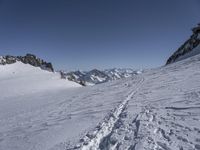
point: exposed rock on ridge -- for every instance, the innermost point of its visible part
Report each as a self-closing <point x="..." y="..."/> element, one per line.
<point x="190" y="48"/>
<point x="28" y="59"/>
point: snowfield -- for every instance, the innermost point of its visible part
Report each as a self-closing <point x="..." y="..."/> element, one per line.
<point x="156" y="110"/>
<point x="21" y="79"/>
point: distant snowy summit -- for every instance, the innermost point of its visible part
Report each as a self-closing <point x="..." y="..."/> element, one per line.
<point x="27" y="59"/>
<point x="190" y="48"/>
<point x="96" y="76"/>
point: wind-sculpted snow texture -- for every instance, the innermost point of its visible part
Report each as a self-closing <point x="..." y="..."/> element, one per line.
<point x="156" y="110"/>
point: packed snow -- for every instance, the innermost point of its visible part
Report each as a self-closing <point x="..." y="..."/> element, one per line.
<point x="156" y="110"/>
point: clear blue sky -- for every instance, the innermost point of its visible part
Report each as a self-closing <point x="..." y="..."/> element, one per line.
<point x="86" y="34"/>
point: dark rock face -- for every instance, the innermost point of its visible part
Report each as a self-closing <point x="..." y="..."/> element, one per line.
<point x="28" y="59"/>
<point x="76" y="76"/>
<point x="188" y="47"/>
<point x="10" y="59"/>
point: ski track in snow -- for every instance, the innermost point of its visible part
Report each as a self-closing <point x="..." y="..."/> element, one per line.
<point x="107" y="126"/>
<point x="157" y="110"/>
<point x="147" y="120"/>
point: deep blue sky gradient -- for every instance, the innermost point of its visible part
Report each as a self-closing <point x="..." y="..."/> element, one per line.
<point x="86" y="34"/>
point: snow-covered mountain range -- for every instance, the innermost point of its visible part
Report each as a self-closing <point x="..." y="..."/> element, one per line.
<point x="190" y="48"/>
<point x="96" y="76"/>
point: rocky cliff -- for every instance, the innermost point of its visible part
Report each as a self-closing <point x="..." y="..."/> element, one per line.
<point x="190" y="48"/>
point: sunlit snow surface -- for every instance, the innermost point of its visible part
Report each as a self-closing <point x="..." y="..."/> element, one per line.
<point x="156" y="110"/>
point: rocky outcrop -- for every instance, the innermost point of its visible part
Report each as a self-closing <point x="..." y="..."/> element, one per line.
<point x="28" y="59"/>
<point x="190" y="48"/>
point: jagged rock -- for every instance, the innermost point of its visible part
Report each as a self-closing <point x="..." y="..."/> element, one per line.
<point x="28" y="59"/>
<point x="2" y="60"/>
<point x="10" y="59"/>
<point x="190" y="48"/>
<point x="62" y="75"/>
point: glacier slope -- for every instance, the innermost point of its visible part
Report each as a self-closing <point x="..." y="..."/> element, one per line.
<point x="163" y="113"/>
<point x="157" y="110"/>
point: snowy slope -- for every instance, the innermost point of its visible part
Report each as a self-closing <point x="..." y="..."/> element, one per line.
<point x="162" y="112"/>
<point x="158" y="110"/>
<point x="19" y="79"/>
<point x="53" y="115"/>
